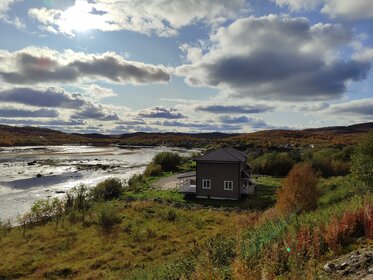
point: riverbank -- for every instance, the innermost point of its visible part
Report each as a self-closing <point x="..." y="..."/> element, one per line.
<point x="28" y="174"/>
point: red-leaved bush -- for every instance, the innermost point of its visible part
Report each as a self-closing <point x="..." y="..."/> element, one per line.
<point x="352" y="224"/>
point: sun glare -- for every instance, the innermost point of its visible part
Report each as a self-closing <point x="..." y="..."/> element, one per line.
<point x="78" y="18"/>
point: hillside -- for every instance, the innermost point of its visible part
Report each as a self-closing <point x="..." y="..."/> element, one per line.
<point x="340" y="135"/>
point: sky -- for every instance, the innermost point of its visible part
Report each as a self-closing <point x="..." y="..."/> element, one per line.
<point x="121" y="66"/>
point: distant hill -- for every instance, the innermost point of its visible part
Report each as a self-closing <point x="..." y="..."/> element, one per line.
<point x="337" y="135"/>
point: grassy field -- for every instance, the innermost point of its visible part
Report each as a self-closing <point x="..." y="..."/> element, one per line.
<point x="179" y="238"/>
<point x="148" y="234"/>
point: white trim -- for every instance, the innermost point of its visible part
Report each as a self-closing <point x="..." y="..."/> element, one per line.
<point x="209" y="184"/>
<point x="228" y="185"/>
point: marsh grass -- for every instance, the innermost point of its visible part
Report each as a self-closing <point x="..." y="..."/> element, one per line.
<point x="147" y="235"/>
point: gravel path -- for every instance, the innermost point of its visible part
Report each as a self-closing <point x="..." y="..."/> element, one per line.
<point x="167" y="183"/>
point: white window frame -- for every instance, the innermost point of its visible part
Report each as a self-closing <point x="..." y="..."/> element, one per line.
<point x="208" y="181"/>
<point x="228" y="185"/>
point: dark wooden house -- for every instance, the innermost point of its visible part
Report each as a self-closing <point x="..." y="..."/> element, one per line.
<point x="223" y="174"/>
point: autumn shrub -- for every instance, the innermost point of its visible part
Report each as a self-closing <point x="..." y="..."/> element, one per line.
<point x="299" y="192"/>
<point x="340" y="231"/>
<point x="340" y="168"/>
<point x="153" y="170"/>
<point x="109" y="189"/>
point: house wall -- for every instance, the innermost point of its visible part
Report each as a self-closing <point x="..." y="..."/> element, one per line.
<point x="218" y="173"/>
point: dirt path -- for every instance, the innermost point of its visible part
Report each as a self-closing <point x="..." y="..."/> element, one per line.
<point x="167" y="183"/>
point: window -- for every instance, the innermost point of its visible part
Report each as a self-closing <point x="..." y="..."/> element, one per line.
<point x="228" y="185"/>
<point x="206" y="184"/>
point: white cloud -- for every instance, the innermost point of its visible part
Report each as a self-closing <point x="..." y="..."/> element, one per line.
<point x="347" y="9"/>
<point x="162" y="17"/>
<point x="276" y="57"/>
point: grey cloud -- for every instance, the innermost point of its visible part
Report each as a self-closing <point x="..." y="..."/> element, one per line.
<point x="161" y="113"/>
<point x="356" y="107"/>
<point x="277" y="57"/>
<point x="42" y="123"/>
<point x="235" y="109"/>
<point x="32" y="66"/>
<point x="22" y="113"/>
<point x="95" y="112"/>
<point x="131" y="122"/>
<point x="58" y="98"/>
<point x="50" y="97"/>
<point x="201" y="126"/>
<point x="252" y="122"/>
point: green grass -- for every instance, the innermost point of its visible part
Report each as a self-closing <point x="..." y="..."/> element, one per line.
<point x="264" y="197"/>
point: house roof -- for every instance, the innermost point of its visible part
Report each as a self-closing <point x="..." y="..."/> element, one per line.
<point x="224" y="154"/>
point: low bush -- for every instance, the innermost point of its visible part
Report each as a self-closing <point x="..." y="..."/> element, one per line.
<point x="168" y="161"/>
<point x="362" y="163"/>
<point x="221" y="250"/>
<point x="275" y="164"/>
<point x="136" y="182"/>
<point x="107" y="217"/>
<point x="107" y="190"/>
<point x="341" y="229"/>
<point x="153" y="170"/>
<point x="169" y="215"/>
<point x="5" y="228"/>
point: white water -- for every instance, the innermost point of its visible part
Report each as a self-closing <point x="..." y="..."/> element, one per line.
<point x="62" y="168"/>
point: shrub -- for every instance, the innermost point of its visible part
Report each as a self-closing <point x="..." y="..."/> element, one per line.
<point x="340" y="231"/>
<point x="107" y="217"/>
<point x="299" y="192"/>
<point x="221" y="250"/>
<point x="5" y="228"/>
<point x="321" y="162"/>
<point x="170" y="215"/>
<point x="108" y="189"/>
<point x="153" y="170"/>
<point x="275" y="164"/>
<point x="168" y="161"/>
<point x="362" y="163"/>
<point x="136" y="182"/>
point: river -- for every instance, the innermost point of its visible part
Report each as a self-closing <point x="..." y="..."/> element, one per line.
<point x="28" y="174"/>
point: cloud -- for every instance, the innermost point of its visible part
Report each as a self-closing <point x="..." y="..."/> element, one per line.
<point x="53" y="97"/>
<point x="34" y="65"/>
<point x="276" y="58"/>
<point x="351" y="10"/>
<point x="5" y="7"/>
<point x="363" y="107"/>
<point x="234" y="109"/>
<point x="97" y="92"/>
<point x="161" y="113"/>
<point x="161" y="17"/>
<point x="97" y="112"/>
<point x="198" y="126"/>
<point x="44" y="97"/>
<point x="23" y="113"/>
<point x="252" y="122"/>
<point x="50" y="123"/>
